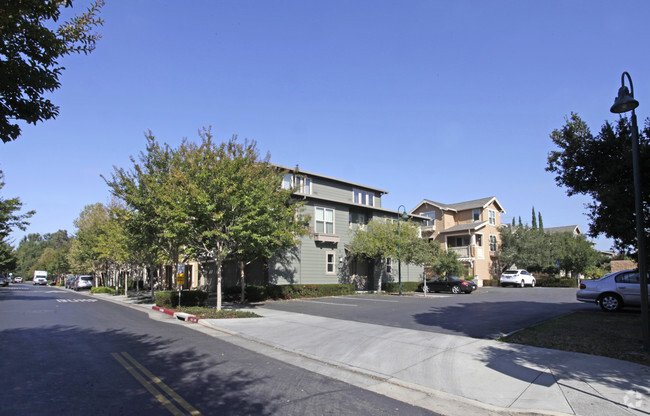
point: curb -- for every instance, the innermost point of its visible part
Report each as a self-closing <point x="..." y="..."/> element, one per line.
<point x="178" y="315"/>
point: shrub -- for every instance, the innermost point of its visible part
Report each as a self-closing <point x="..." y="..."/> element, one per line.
<point x="102" y="289"/>
<point x="555" y="282"/>
<point x="393" y="287"/>
<point x="491" y="282"/>
<point x="169" y="298"/>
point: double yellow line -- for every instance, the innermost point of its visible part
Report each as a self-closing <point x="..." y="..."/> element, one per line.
<point x="147" y="379"/>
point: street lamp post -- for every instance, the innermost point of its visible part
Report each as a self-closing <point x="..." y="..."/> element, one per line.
<point x="401" y="215"/>
<point x="622" y="104"/>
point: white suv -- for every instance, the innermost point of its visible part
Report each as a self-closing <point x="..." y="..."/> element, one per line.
<point x="40" y="281"/>
<point x="517" y="277"/>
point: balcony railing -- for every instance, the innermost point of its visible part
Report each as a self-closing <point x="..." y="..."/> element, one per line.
<point x="463" y="251"/>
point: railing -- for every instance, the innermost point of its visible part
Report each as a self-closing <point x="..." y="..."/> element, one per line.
<point x="461" y="251"/>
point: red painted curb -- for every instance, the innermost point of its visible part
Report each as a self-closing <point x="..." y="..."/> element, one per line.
<point x="170" y="312"/>
<point x="163" y="310"/>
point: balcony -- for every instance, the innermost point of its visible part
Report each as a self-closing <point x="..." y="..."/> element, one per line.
<point x="327" y="238"/>
<point x="462" y="252"/>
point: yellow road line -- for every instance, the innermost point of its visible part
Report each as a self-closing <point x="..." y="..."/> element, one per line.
<point x="156" y="393"/>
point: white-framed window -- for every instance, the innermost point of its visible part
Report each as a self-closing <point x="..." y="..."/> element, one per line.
<point x="330" y="262"/>
<point x="476" y="214"/>
<point x="493" y="242"/>
<point x="492" y="217"/>
<point x="389" y="265"/>
<point x="364" y="197"/>
<point x="324" y="220"/>
<point x="357" y="218"/>
<point x="479" y="240"/>
<point x="301" y="184"/>
<point x="430" y="214"/>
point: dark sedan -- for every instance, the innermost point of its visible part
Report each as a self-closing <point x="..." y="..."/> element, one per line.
<point x="451" y="284"/>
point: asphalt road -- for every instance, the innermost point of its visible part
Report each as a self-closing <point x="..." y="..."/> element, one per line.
<point x="69" y="354"/>
<point x="489" y="312"/>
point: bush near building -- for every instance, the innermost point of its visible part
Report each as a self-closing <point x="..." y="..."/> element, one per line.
<point x="169" y="298"/>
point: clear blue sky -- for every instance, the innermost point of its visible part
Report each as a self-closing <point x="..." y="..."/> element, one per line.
<point x="442" y="100"/>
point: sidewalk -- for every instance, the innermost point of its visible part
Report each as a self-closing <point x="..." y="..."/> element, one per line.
<point x="449" y="374"/>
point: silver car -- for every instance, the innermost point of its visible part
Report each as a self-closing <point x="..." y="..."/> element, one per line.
<point x="613" y="291"/>
<point x="83" y="282"/>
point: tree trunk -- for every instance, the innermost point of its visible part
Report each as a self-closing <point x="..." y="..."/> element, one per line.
<point x="218" y="264"/>
<point x="242" y="281"/>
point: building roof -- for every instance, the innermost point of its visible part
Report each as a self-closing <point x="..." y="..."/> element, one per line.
<point x="472" y="226"/>
<point x="574" y="229"/>
<point x="462" y="206"/>
<point x="330" y="178"/>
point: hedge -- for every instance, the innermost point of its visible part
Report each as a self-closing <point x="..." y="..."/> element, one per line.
<point x="541" y="282"/>
<point x="102" y="289"/>
<point x="169" y="298"/>
<point x="393" y="287"/>
<point x="261" y="293"/>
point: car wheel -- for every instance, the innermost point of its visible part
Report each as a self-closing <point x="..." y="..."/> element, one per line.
<point x="533" y="283"/>
<point x="610" y="302"/>
<point x="455" y="289"/>
<point x="522" y="284"/>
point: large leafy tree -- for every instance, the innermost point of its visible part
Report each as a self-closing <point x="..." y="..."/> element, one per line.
<point x="10" y="219"/>
<point x="233" y="203"/>
<point x="382" y="239"/>
<point x="29" y="54"/>
<point x="601" y="167"/>
<point x="151" y="192"/>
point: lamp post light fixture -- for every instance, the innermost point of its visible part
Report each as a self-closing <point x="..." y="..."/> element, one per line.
<point x="401" y="215"/>
<point x="623" y="103"/>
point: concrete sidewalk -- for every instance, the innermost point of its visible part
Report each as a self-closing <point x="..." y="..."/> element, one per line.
<point x="448" y="374"/>
<point x="487" y="376"/>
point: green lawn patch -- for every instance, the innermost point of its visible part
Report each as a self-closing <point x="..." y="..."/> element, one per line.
<point x="212" y="313"/>
<point x="614" y="335"/>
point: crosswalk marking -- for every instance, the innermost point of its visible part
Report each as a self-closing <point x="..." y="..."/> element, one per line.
<point x="76" y="300"/>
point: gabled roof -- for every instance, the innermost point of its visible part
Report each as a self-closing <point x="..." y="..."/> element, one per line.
<point x="574" y="229"/>
<point x="463" y="206"/>
<point x="329" y="178"/>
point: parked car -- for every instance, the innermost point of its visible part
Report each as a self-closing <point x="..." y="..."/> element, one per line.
<point x="451" y="284"/>
<point x="517" y="277"/>
<point x="3" y="281"/>
<point x="18" y="279"/>
<point x="69" y="281"/>
<point x="613" y="291"/>
<point x="40" y="280"/>
<point x="83" y="282"/>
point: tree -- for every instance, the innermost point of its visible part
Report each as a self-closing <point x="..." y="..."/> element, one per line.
<point x="573" y="253"/>
<point x="381" y="239"/>
<point x="233" y="203"/>
<point x="601" y="168"/>
<point x="29" y="54"/>
<point x="152" y="193"/>
<point x="447" y="264"/>
<point x="534" y="219"/>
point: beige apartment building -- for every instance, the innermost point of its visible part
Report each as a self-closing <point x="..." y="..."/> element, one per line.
<point x="471" y="229"/>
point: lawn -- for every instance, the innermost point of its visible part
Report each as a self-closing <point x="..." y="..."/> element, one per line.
<point x="211" y="313"/>
<point x="615" y="335"/>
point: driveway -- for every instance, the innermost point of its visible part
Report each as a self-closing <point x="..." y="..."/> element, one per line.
<point x="489" y="312"/>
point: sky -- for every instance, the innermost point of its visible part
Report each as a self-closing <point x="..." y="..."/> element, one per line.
<point x="443" y="100"/>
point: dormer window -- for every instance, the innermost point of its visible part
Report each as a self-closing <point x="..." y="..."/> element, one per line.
<point x="301" y="184"/>
<point x="364" y="198"/>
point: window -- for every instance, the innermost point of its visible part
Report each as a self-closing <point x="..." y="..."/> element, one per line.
<point x="479" y="240"/>
<point x="493" y="243"/>
<point x="432" y="215"/>
<point x="476" y="214"/>
<point x="357" y="218"/>
<point x="493" y="217"/>
<point x="458" y="241"/>
<point x="324" y="220"/>
<point x="632" y="277"/>
<point x="389" y="265"/>
<point x="330" y="258"/>
<point x="364" y="198"/>
<point x="301" y="184"/>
